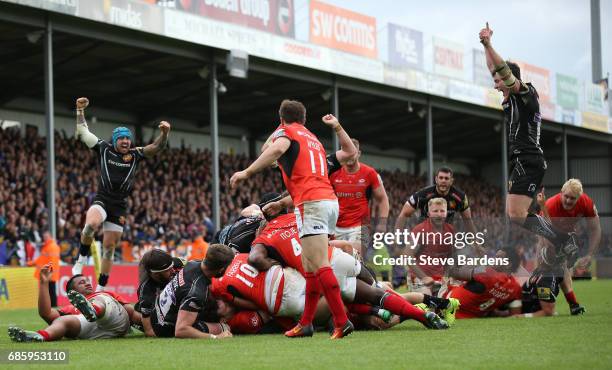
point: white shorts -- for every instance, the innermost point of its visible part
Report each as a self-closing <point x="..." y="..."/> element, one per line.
<point x="107" y="225"/>
<point x="294" y="294"/>
<point x="350" y="234"/>
<point x="346" y="268"/>
<point x="317" y="217"/>
<point x="115" y="322"/>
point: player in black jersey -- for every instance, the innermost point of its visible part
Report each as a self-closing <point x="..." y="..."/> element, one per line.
<point x="523" y="120"/>
<point x="456" y="200"/>
<point x="155" y="270"/>
<point x="184" y="307"/>
<point x="119" y="163"/>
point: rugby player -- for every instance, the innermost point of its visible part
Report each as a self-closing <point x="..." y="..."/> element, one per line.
<point x="443" y="187"/>
<point x="92" y="315"/>
<point x="155" y="269"/>
<point x="523" y="120"/>
<point x="277" y="243"/>
<point x="487" y="290"/>
<point x="426" y="276"/>
<point x="301" y="158"/>
<point x="119" y="164"/>
<point x="184" y="309"/>
<point x="565" y="210"/>
<point x="355" y="185"/>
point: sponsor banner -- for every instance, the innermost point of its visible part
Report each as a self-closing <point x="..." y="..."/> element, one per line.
<point x="18" y="288"/>
<point x="437" y="85"/>
<point x="448" y="58"/>
<point x="342" y="29"/>
<point x="568" y="116"/>
<point x="405" y="47"/>
<point x="466" y="91"/>
<point x="123" y="281"/>
<point x="594" y="99"/>
<point x="539" y="78"/>
<point x="595" y="121"/>
<point x="125" y="13"/>
<point x="547" y="110"/>
<point x="60" y="6"/>
<point x="481" y="74"/>
<point x="274" y="16"/>
<point x="567" y="91"/>
<point x="493" y="99"/>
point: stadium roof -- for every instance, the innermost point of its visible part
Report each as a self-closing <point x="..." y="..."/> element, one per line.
<point x="151" y="77"/>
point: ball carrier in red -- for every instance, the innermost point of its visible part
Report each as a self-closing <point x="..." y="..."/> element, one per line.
<point x="301" y="158"/>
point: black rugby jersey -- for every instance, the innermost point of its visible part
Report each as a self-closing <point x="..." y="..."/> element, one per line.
<point x="523" y="121"/>
<point x="117" y="171"/>
<point x="456" y="201"/>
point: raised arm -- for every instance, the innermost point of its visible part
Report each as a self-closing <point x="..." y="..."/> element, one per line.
<point x="496" y="63"/>
<point x="347" y="148"/>
<point x="82" y="131"/>
<point x="160" y="142"/>
<point x="45" y="311"/>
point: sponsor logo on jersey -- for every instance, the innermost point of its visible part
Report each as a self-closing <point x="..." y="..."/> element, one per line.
<point x="127" y="157"/>
<point x="452" y="204"/>
<point x="361" y="180"/>
<point x="110" y="161"/>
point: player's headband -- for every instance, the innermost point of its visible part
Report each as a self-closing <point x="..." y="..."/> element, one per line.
<point x="120" y="132"/>
<point x="163" y="269"/>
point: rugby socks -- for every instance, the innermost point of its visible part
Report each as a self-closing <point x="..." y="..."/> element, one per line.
<point x="102" y="279"/>
<point x="84" y="250"/>
<point x="439" y="303"/>
<point x="541" y="226"/>
<point x="44" y="334"/>
<point x="571" y="298"/>
<point x="313" y="293"/>
<point x="331" y="291"/>
<point x="362" y="309"/>
<point x="401" y="307"/>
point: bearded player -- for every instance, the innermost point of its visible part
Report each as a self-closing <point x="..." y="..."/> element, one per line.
<point x="119" y="163"/>
<point x="302" y="160"/>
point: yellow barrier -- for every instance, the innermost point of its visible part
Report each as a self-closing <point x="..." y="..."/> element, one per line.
<point x="18" y="288"/>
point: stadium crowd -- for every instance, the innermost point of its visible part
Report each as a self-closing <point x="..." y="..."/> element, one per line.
<point x="171" y="202"/>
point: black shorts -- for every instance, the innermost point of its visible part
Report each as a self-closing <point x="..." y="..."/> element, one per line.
<point x="526" y="175"/>
<point x="543" y="285"/>
<point x="116" y="210"/>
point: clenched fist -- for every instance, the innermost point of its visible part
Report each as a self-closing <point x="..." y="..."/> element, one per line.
<point x="164" y="127"/>
<point x="485" y="35"/>
<point x="82" y="103"/>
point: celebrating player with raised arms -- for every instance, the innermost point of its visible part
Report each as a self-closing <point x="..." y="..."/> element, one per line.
<point x="119" y="163"/>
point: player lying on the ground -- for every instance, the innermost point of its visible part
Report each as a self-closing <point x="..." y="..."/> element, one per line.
<point x="487" y="291"/>
<point x="92" y="315"/>
<point x="155" y="270"/>
<point x="277" y="243"/>
<point x="184" y="307"/>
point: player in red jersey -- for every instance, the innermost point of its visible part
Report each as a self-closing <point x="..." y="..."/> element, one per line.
<point x="565" y="210"/>
<point x="277" y="243"/>
<point x="92" y="315"/>
<point x="488" y="289"/>
<point x="433" y="242"/>
<point x="355" y="185"/>
<point x="302" y="160"/>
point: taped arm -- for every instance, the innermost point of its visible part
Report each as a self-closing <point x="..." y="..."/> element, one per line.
<point x="82" y="131"/>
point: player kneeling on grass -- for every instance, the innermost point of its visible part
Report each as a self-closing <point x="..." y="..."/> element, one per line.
<point x="184" y="307"/>
<point x="91" y="316"/>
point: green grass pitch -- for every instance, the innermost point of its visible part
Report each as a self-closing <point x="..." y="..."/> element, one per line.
<point x="556" y="342"/>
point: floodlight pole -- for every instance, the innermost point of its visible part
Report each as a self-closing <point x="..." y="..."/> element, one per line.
<point x="50" y="123"/>
<point x="430" y="160"/>
<point x="596" y="41"/>
<point x="214" y="140"/>
<point x="565" y="157"/>
<point x="335" y="111"/>
<point x="504" y="164"/>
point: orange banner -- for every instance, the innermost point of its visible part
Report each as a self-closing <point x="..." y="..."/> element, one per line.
<point x="342" y="29"/>
<point x="539" y="78"/>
